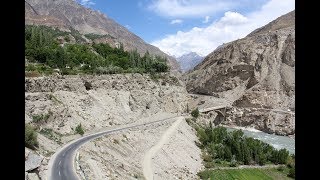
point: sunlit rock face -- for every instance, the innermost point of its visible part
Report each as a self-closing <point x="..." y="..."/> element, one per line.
<point x="257" y="73"/>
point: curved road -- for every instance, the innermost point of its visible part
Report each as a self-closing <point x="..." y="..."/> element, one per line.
<point x="61" y="164"/>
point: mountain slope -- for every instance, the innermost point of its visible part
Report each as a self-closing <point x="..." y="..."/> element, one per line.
<point x="189" y="61"/>
<point x="255" y="72"/>
<point x="68" y="14"/>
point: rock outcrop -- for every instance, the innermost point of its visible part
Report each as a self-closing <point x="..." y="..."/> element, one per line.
<point x="32" y="160"/>
<point x="257" y="74"/>
<point x="33" y="164"/>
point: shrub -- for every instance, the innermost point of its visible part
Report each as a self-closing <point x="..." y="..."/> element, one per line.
<point x="30" y="137"/>
<point x="87" y="85"/>
<point x="292" y="172"/>
<point x="32" y="74"/>
<point x="280" y="168"/>
<point x="209" y="164"/>
<point x="49" y="133"/>
<point x="67" y="38"/>
<point x="207" y="157"/>
<point x="116" y="141"/>
<point x="79" y="129"/>
<point x="188" y="120"/>
<point x="204" y="174"/>
<point x="291" y="161"/>
<point x="40" y="118"/>
<point x="195" y="113"/>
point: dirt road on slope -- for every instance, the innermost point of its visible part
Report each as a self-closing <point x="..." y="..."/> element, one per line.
<point x="147" y="159"/>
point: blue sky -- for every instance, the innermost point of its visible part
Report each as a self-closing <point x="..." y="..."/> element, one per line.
<point x="181" y="26"/>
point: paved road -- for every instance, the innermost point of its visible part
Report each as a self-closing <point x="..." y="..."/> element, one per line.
<point x="61" y="164"/>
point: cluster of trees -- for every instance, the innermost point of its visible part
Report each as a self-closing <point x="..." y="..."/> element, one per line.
<point x="42" y="47"/>
<point x="235" y="147"/>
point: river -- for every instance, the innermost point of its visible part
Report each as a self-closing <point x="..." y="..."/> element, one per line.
<point x="276" y="141"/>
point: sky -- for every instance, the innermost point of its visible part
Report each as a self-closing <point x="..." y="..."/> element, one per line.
<point x="178" y="27"/>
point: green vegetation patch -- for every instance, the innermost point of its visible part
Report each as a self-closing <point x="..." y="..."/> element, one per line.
<point x="236" y="148"/>
<point x="221" y="148"/>
<point x="195" y="113"/>
<point x="244" y="174"/>
<point x="40" y="118"/>
<point x="79" y="129"/>
<point x="30" y="137"/>
<point x="46" y="55"/>
<point x="51" y="134"/>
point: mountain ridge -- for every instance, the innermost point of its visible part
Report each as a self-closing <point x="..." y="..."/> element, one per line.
<point x="189" y="60"/>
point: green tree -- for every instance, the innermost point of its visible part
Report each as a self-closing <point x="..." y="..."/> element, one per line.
<point x="195" y="113"/>
<point x="283" y="156"/>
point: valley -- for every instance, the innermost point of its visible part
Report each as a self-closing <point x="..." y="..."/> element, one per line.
<point x="100" y="103"/>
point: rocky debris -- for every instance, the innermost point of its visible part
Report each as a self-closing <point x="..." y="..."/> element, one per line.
<point x="33" y="160"/>
<point x="110" y="100"/>
<point x="32" y="176"/>
<point x="50" y="84"/>
<point x="180" y="157"/>
<point x="257" y="71"/>
<point x="42" y="170"/>
<point x="27" y="119"/>
<point x="120" y="155"/>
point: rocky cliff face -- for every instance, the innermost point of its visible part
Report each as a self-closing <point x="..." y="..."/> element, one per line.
<point x="189" y="61"/>
<point x="257" y="74"/>
<point x="68" y="14"/>
<point x="100" y="101"/>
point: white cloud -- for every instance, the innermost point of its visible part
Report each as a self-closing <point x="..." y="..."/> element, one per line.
<point x="86" y="2"/>
<point x="127" y="26"/>
<point x="176" y="21"/>
<point x="230" y="27"/>
<point x="206" y="19"/>
<point x="189" y="8"/>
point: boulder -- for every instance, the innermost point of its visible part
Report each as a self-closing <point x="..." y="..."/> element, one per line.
<point x="33" y="176"/>
<point x="33" y="161"/>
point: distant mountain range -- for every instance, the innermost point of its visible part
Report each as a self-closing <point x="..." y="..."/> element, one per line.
<point x="189" y="61"/>
<point x="69" y="15"/>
